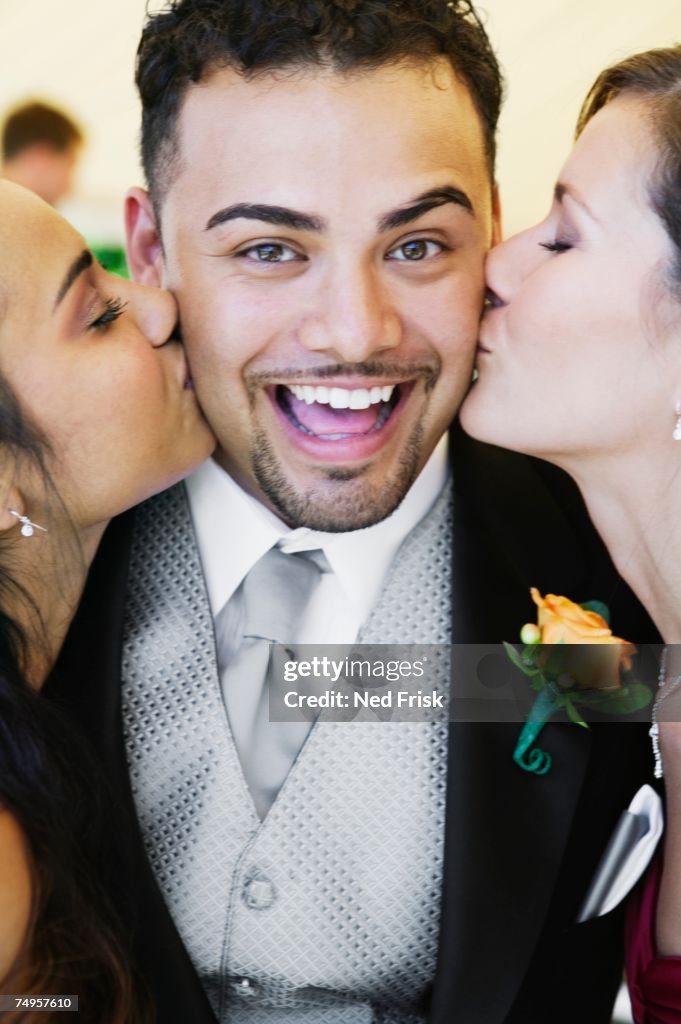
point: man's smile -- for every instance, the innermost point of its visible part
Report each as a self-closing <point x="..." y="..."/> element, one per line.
<point x="337" y="413"/>
<point x="340" y="422"/>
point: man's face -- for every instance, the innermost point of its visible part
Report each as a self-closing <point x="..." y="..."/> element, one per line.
<point x="325" y="237"/>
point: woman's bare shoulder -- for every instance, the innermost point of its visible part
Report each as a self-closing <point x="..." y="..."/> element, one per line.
<point x="15" y="889"/>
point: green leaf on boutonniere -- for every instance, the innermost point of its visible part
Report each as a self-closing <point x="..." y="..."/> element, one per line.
<point x="573" y="714"/>
<point x="556" y="659"/>
<point x="598" y="607"/>
<point x="624" y="701"/>
<point x="522" y="661"/>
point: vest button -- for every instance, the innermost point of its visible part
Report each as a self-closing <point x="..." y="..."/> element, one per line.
<point x="258" y="894"/>
<point x="244" y="987"/>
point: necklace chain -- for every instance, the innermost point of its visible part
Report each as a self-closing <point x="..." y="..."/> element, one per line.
<point x="654" y="731"/>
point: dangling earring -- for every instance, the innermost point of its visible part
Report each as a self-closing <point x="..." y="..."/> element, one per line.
<point x="677" y="429"/>
<point x="27" y="527"/>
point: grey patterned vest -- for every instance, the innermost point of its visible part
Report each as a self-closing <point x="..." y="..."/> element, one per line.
<point x="326" y="912"/>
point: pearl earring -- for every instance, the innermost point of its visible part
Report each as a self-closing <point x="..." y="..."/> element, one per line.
<point x="27" y="527"/>
<point x="676" y="434"/>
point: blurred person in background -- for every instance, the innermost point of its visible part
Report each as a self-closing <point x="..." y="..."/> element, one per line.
<point x="40" y="150"/>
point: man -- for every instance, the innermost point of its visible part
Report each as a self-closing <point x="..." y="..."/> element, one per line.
<point x="320" y="201"/>
<point x="40" y="150"/>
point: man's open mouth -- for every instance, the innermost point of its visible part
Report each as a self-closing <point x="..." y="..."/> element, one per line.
<point x="332" y="413"/>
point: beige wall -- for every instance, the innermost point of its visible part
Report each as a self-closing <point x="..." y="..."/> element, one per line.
<point x="551" y="51"/>
<point x="81" y="52"/>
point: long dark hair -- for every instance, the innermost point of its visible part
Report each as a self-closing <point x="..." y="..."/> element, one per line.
<point x="76" y="943"/>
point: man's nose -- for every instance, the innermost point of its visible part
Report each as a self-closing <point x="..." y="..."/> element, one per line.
<point x="354" y="319"/>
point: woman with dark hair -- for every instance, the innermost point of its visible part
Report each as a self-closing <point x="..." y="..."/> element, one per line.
<point x="96" y="413"/>
<point x="579" y="363"/>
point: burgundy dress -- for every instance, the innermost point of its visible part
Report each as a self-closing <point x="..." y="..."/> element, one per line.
<point x="654" y="981"/>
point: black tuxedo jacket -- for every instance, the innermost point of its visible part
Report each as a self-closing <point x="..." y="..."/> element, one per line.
<point x="520" y="850"/>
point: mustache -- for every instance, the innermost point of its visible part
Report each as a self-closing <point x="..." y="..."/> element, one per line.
<point x="266" y="377"/>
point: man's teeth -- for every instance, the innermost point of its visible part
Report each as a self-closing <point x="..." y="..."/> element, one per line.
<point x="342" y="398"/>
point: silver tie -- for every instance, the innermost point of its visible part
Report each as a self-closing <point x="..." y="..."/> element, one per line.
<point x="275" y="594"/>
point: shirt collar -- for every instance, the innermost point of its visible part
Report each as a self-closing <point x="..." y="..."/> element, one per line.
<point x="234" y="530"/>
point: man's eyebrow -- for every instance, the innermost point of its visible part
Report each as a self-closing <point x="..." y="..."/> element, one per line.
<point x="561" y="190"/>
<point x="429" y="200"/>
<point x="81" y="263"/>
<point x="282" y="216"/>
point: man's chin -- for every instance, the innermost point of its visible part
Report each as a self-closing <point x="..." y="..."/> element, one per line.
<point x="346" y="499"/>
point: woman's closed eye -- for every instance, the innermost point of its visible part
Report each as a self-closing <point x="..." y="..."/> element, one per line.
<point x="557" y="246"/>
<point x="113" y="308"/>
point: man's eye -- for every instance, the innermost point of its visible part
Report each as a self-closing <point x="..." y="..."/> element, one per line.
<point x="271" y="252"/>
<point x="417" y="249"/>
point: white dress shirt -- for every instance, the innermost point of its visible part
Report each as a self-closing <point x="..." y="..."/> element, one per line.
<point x="234" y="530"/>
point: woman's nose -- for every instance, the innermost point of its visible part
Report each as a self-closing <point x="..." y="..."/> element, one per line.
<point x="155" y="312"/>
<point x="508" y="264"/>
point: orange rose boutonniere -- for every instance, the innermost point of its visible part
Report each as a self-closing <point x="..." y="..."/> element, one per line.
<point x="573" y="661"/>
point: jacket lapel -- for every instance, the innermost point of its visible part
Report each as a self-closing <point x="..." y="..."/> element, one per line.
<point x="506" y="829"/>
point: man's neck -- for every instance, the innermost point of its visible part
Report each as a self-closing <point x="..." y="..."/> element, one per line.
<point x="234" y="529"/>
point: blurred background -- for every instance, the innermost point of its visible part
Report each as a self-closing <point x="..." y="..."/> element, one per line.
<point x="550" y="49"/>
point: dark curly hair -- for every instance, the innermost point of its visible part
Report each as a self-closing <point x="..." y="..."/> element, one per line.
<point x="190" y="38"/>
<point x="654" y="77"/>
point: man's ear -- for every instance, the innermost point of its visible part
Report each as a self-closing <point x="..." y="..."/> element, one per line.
<point x="497" y="233"/>
<point x="143" y="239"/>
